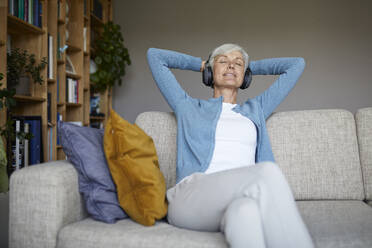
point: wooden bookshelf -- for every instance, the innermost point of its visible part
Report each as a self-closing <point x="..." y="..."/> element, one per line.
<point x="65" y="28"/>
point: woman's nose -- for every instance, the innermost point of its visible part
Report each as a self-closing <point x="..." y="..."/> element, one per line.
<point x="230" y="65"/>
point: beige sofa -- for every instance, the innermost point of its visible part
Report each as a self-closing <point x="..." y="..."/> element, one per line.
<point x="326" y="156"/>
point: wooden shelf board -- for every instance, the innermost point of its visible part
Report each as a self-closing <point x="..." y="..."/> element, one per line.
<point x="2" y="43"/>
<point x="60" y="104"/>
<point x="51" y="124"/>
<point x="58" y="146"/>
<point x="22" y="98"/>
<point x="73" y="105"/>
<point x="86" y="54"/>
<point x="98" y="118"/>
<point x="50" y="80"/>
<point x="86" y="88"/>
<point x="86" y="18"/>
<point x="74" y="76"/>
<point x="72" y="49"/>
<point x="61" y="21"/>
<point x="19" y="26"/>
<point x="60" y="61"/>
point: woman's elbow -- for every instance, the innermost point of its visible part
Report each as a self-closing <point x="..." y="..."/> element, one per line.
<point x="150" y="52"/>
<point x="301" y="62"/>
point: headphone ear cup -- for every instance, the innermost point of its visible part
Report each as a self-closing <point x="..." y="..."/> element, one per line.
<point x="247" y="79"/>
<point x="208" y="76"/>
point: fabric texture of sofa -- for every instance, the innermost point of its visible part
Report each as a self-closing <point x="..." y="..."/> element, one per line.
<point x="326" y="156"/>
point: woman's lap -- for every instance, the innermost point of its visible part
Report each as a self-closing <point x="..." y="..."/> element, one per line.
<point x="199" y="201"/>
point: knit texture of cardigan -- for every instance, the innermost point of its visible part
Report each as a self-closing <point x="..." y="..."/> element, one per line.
<point x="197" y="118"/>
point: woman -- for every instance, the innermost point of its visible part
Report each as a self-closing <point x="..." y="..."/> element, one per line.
<point x="226" y="176"/>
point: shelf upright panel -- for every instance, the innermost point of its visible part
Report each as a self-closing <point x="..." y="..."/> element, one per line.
<point x="3" y="45"/>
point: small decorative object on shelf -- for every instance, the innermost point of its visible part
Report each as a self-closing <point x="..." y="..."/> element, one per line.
<point x="94" y="104"/>
<point x="69" y="66"/>
<point x="21" y="68"/>
<point x="111" y="58"/>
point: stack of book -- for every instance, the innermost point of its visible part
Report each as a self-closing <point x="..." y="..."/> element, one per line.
<point x="26" y="152"/>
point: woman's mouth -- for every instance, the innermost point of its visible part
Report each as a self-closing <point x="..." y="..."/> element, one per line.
<point x="229" y="75"/>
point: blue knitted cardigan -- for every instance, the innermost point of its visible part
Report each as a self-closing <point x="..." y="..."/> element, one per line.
<point x="197" y="118"/>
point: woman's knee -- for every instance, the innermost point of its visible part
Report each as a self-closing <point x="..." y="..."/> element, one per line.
<point x="240" y="208"/>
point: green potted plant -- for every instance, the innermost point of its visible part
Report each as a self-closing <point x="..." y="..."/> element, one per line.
<point x="7" y="131"/>
<point x="6" y="100"/>
<point x="111" y="58"/>
<point x="21" y="68"/>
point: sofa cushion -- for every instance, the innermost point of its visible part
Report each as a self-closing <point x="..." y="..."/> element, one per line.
<point x="84" y="148"/>
<point x="128" y="234"/>
<point x="162" y="127"/>
<point x="341" y="224"/>
<point x="364" y="128"/>
<point x="133" y="163"/>
<point x="318" y="152"/>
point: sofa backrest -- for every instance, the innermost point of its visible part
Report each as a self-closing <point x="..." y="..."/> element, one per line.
<point x="316" y="149"/>
<point x="363" y="119"/>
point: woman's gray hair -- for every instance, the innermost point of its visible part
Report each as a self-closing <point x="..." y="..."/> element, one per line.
<point x="226" y="48"/>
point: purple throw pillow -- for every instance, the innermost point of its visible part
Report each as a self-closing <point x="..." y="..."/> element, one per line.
<point x="83" y="147"/>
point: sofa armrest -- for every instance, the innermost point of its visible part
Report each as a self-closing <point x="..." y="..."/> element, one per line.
<point x="43" y="198"/>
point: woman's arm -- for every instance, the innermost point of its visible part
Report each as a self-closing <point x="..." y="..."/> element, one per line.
<point x="289" y="69"/>
<point x="160" y="62"/>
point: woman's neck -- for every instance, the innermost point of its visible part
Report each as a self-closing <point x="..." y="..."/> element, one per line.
<point x="229" y="94"/>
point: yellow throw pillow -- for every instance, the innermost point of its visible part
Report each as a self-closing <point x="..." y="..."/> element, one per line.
<point x="133" y="162"/>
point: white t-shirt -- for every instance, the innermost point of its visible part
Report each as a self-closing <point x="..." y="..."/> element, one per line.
<point x="235" y="141"/>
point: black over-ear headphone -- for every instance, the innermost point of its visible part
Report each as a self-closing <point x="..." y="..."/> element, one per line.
<point x="208" y="76"/>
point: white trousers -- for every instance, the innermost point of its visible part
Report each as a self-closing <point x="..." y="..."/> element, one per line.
<point x="253" y="206"/>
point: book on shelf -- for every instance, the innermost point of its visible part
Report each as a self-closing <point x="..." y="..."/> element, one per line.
<point x="26" y="145"/>
<point x="17" y="146"/>
<point x="97" y="9"/>
<point x="49" y="107"/>
<point x="72" y="90"/>
<point x="35" y="143"/>
<point x="85" y="38"/>
<point x="59" y="118"/>
<point x="50" y="143"/>
<point x="50" y="56"/>
<point x="26" y="10"/>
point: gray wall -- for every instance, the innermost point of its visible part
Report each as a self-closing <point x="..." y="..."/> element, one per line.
<point x="334" y="37"/>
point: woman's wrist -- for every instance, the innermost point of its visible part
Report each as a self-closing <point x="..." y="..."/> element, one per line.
<point x="202" y="66"/>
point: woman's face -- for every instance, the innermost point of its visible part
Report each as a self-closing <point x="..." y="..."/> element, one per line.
<point x="228" y="70"/>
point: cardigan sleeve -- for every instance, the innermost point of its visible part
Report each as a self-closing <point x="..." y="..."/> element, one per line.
<point x="289" y="71"/>
<point x="160" y="62"/>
